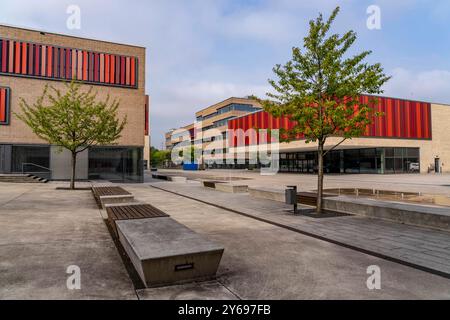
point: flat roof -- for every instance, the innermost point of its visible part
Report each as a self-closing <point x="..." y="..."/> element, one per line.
<point x="230" y="98"/>
<point x="68" y="35"/>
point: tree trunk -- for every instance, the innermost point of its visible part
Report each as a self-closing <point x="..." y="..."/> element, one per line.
<point x="74" y="165"/>
<point x="320" y="177"/>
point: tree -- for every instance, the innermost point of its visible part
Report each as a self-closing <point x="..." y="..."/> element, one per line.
<point x="159" y="156"/>
<point x="73" y="120"/>
<point x="319" y="90"/>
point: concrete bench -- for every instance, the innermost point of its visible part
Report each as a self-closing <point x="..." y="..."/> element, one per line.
<point x="231" y="188"/>
<point x="159" y="176"/>
<point x="267" y="193"/>
<point x="164" y="251"/>
<point x="111" y="194"/>
<point x="128" y="211"/>
<point x="210" y="183"/>
<point x="177" y="179"/>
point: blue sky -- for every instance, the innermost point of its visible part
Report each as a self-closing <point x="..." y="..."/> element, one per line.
<point x="203" y="51"/>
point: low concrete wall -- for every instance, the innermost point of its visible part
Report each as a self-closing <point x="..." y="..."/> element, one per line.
<point x="268" y="193"/>
<point x="432" y="217"/>
<point x="176" y="179"/>
<point x="231" y="188"/>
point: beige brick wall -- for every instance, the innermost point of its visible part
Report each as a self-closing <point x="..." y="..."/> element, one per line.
<point x="132" y="101"/>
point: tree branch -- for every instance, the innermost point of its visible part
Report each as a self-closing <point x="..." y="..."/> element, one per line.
<point x="335" y="146"/>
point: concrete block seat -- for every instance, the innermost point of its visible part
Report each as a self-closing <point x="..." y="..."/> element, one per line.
<point x="231" y="188"/>
<point x="267" y="193"/>
<point x="127" y="211"/>
<point x="111" y="194"/>
<point x="212" y="184"/>
<point x="164" y="251"/>
<point x="177" y="179"/>
<point x="160" y="176"/>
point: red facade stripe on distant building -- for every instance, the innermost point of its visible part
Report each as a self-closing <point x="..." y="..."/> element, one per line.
<point x="400" y="119"/>
<point x="24" y="58"/>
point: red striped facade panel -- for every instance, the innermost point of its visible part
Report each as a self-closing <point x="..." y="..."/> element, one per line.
<point x="4" y="105"/>
<point x="401" y="119"/>
<point x="50" y="62"/>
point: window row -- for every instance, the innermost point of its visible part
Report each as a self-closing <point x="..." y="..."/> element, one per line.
<point x="46" y="61"/>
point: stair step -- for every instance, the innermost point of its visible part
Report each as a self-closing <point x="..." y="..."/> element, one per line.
<point x="21" y="178"/>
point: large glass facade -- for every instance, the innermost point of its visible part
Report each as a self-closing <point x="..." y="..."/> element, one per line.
<point x="31" y="158"/>
<point x="365" y="160"/>
<point x="117" y="164"/>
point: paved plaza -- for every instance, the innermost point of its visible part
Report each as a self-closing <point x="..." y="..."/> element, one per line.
<point x="44" y="230"/>
<point x="425" y="183"/>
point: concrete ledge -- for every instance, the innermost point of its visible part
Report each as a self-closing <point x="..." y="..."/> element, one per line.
<point x="212" y="184"/>
<point x="433" y="217"/>
<point x="159" y="176"/>
<point x="232" y="188"/>
<point x="176" y="179"/>
<point x="267" y="193"/>
<point x="104" y="200"/>
<point x="164" y="251"/>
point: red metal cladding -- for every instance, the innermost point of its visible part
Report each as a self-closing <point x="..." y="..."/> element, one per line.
<point x="4" y="105"/>
<point x="402" y="119"/>
<point x="42" y="61"/>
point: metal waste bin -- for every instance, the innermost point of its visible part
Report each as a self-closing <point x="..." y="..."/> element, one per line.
<point x="291" y="197"/>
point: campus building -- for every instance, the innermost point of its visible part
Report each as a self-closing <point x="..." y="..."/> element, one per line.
<point x="210" y="129"/>
<point x="408" y="136"/>
<point x="30" y="60"/>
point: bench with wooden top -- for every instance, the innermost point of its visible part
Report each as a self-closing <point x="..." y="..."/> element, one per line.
<point x="111" y="194"/>
<point x="309" y="198"/>
<point x="131" y="211"/>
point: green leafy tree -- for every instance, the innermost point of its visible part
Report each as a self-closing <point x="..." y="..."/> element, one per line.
<point x="159" y="156"/>
<point x="319" y="90"/>
<point x="73" y="120"/>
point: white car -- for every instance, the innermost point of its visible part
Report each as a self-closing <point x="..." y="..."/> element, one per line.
<point x="414" y="167"/>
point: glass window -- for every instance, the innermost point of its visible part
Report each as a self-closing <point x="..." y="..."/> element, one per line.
<point x="398" y="152"/>
<point x="412" y="152"/>
<point x="116" y="164"/>
<point x="36" y="155"/>
<point x="389" y="152"/>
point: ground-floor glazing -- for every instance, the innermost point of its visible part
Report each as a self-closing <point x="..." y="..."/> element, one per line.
<point x="115" y="163"/>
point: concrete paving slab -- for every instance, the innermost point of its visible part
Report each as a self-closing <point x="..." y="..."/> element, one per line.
<point x="263" y="261"/>
<point x="333" y="229"/>
<point x="208" y="290"/>
<point x="42" y="232"/>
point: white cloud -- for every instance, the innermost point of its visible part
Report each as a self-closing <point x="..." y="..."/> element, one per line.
<point x="431" y="85"/>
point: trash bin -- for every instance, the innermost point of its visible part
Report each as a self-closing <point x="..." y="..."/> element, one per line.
<point x="291" y="195"/>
